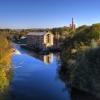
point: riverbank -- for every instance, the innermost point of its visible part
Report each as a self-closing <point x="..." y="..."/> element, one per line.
<point x="82" y="70"/>
<point x="81" y="59"/>
<point x="78" y="94"/>
<point x="5" y="73"/>
<point x="6" y="60"/>
<point x="37" y="50"/>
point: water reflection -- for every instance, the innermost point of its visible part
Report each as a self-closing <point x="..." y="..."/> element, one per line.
<point x="36" y="80"/>
<point x="81" y="73"/>
<point x="76" y="94"/>
<point x="47" y="59"/>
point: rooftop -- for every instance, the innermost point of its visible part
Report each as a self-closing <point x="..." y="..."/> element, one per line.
<point x="36" y="33"/>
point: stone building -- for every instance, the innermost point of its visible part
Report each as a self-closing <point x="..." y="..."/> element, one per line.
<point x="40" y="40"/>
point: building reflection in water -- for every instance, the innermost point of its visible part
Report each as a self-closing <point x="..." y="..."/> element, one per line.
<point x="46" y="58"/>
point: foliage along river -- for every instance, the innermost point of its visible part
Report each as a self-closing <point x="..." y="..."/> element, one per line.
<point x="36" y="77"/>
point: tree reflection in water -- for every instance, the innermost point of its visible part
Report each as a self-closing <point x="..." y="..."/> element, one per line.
<point x="81" y="73"/>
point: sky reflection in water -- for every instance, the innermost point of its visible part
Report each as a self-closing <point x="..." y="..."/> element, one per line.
<point x="35" y="79"/>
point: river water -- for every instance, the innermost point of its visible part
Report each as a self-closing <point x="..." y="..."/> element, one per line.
<point x="35" y="77"/>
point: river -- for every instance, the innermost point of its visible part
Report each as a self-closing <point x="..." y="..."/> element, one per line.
<point x="35" y="77"/>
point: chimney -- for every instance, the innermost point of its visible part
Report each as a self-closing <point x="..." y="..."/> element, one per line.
<point x="73" y="26"/>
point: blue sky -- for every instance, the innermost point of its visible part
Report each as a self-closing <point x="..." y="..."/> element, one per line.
<point x="47" y="13"/>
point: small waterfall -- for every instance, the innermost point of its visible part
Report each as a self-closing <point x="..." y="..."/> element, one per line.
<point x="17" y="52"/>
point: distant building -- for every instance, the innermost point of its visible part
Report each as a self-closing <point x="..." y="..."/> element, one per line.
<point x="40" y="40"/>
<point x="23" y="40"/>
<point x="72" y="25"/>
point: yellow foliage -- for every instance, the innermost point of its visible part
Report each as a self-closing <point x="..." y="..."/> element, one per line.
<point x="3" y="43"/>
<point x="5" y="66"/>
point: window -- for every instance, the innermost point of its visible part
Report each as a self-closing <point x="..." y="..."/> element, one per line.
<point x="48" y="38"/>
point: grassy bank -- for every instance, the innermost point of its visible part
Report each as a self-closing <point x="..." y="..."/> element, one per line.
<point x="5" y="65"/>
